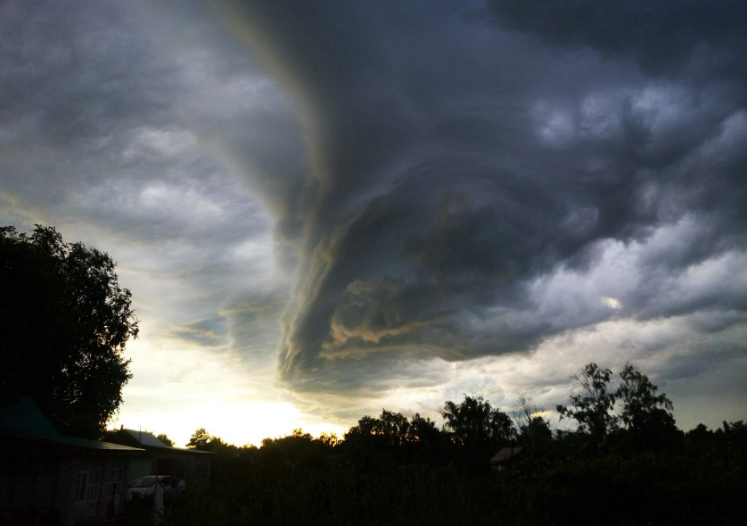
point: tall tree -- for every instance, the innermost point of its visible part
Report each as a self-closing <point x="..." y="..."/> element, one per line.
<point x="592" y="407"/>
<point x="646" y="414"/>
<point x="477" y="425"/>
<point x="199" y="439"/>
<point x="423" y="430"/>
<point x="394" y="427"/>
<point x="64" y="323"/>
<point x="533" y="429"/>
<point x="390" y="429"/>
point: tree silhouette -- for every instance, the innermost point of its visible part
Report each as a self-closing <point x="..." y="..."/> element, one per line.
<point x="64" y="323"/>
<point x="641" y="404"/>
<point x="390" y="431"/>
<point x="204" y="441"/>
<point x="533" y="429"/>
<point x="423" y="430"/>
<point x="592" y="406"/>
<point x="646" y="414"/>
<point x="475" y="424"/>
<point x="199" y="439"/>
<point x="392" y="434"/>
<point x="394" y="427"/>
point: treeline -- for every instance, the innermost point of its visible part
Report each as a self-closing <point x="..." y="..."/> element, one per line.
<point x="629" y="417"/>
<point x="626" y="463"/>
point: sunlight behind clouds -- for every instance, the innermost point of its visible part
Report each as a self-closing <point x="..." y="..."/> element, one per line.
<point x="612" y="303"/>
<point x="317" y="228"/>
<point x="179" y="388"/>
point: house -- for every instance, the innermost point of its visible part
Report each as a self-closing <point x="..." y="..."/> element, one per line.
<point x="50" y="478"/>
<point x="508" y="456"/>
<point x="191" y="465"/>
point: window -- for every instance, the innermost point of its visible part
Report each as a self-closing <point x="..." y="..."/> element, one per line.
<point x="82" y="484"/>
<point x="89" y="477"/>
<point x="115" y="476"/>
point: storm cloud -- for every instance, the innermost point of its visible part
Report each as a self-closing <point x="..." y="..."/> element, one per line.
<point x="483" y="177"/>
<point x="360" y="198"/>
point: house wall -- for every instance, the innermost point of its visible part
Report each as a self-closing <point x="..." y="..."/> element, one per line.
<point x="28" y="485"/>
<point x="71" y="509"/>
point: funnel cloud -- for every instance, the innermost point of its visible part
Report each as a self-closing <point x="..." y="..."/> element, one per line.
<point x="365" y="202"/>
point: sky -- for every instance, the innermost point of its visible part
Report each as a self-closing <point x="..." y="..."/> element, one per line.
<point x="326" y="208"/>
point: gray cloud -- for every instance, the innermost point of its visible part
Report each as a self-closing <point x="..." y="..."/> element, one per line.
<point x="456" y="165"/>
<point x="113" y="120"/>
<point x="663" y="36"/>
<point x="379" y="187"/>
<point x="212" y="332"/>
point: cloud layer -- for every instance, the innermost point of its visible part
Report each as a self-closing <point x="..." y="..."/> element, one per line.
<point x="385" y="201"/>
<point x="483" y="177"/>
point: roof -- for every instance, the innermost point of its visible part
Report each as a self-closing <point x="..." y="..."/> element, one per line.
<point x="65" y="440"/>
<point x="25" y="417"/>
<point x="145" y="438"/>
<point x="149" y="441"/>
<point x="190" y="450"/>
<point x="23" y="420"/>
<point x="506" y="454"/>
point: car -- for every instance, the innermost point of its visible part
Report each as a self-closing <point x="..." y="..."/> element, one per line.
<point x="145" y="487"/>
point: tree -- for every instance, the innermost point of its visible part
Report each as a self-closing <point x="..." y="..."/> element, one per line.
<point x="204" y="441"/>
<point x="423" y="430"/>
<point x="390" y="430"/>
<point x="641" y="404"/>
<point x="199" y="439"/>
<point x="592" y="406"/>
<point x="735" y="436"/>
<point x="165" y="439"/>
<point x="646" y="414"/>
<point x="475" y="424"/>
<point x="732" y="436"/>
<point x="329" y="440"/>
<point x="394" y="427"/>
<point x="533" y="429"/>
<point x="64" y="323"/>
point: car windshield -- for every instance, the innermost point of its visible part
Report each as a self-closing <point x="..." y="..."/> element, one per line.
<point x="144" y="482"/>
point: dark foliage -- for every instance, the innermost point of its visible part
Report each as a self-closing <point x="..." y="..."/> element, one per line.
<point x="591" y="408"/>
<point x="302" y="480"/>
<point x="393" y="435"/>
<point x="534" y="431"/>
<point x="64" y="323"/>
<point x="647" y="415"/>
<point x="394" y="470"/>
<point x="204" y="441"/>
<point x="199" y="439"/>
<point x="479" y="427"/>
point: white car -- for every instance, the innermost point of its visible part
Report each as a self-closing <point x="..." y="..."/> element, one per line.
<point x="145" y="487"/>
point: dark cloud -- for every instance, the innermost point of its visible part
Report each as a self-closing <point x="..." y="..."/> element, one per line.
<point x="457" y="165"/>
<point x="117" y="125"/>
<point x="255" y="330"/>
<point x="663" y="36"/>
<point x="444" y="181"/>
<point x="117" y="109"/>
